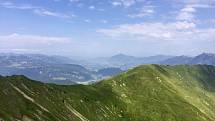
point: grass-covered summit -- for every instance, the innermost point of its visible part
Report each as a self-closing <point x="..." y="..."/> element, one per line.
<point x="145" y="93"/>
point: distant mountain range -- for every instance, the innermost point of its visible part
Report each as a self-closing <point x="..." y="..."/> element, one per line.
<point x="49" y="69"/>
<point x="124" y="61"/>
<point x="145" y="93"/>
<point x="64" y="70"/>
<point x="204" y="58"/>
<point x="177" y="60"/>
<point x="36" y="59"/>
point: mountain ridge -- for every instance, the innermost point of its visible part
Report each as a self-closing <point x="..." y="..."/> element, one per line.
<point x="146" y="93"/>
<point x="204" y="58"/>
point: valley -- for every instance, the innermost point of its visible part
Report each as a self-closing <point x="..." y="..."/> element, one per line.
<point x="67" y="71"/>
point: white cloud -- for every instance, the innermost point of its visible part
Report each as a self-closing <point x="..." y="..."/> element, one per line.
<point x="35" y="9"/>
<point x="87" y="20"/>
<point x="21" y="50"/>
<point x="203" y="2"/>
<point x="44" y="12"/>
<point x="34" y="43"/>
<point x="175" y="31"/>
<point x="183" y="25"/>
<point x="145" y="11"/>
<point x="186" y="14"/>
<point x="195" y="3"/>
<point x="21" y="7"/>
<point x="115" y="3"/>
<point x="188" y="9"/>
<point x="18" y="39"/>
<point x="104" y="21"/>
<point x="92" y="7"/>
<point x="125" y="3"/>
<point x="202" y="6"/>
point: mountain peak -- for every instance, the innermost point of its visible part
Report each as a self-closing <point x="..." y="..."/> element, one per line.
<point x="207" y="54"/>
<point x="120" y="55"/>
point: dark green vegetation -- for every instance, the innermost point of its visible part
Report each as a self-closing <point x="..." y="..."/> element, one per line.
<point x="145" y="93"/>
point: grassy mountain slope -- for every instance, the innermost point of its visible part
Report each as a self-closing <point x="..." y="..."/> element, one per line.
<point x="145" y="93"/>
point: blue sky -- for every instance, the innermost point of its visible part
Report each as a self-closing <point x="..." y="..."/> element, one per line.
<point x="93" y="28"/>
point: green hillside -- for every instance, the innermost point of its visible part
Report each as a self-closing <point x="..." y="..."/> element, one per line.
<point x="145" y="93"/>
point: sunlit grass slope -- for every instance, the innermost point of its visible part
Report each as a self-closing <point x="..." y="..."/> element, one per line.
<point x="145" y="93"/>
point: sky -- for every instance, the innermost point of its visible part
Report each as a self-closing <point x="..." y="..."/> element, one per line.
<point x="98" y="28"/>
